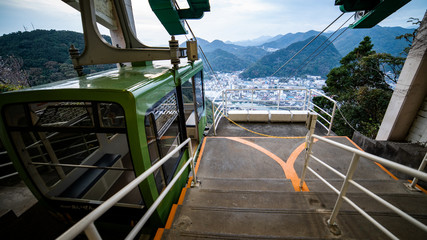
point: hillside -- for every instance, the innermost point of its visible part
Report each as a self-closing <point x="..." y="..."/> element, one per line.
<point x="250" y="54"/>
<point x="45" y="53"/>
<point x="227" y="62"/>
<point x="321" y="65"/>
<point x="383" y="38"/>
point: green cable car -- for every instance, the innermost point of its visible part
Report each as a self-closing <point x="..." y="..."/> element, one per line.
<point x="77" y="142"/>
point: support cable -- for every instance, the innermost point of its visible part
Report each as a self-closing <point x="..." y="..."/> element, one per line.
<point x="305" y="62"/>
<point x="296" y="54"/>
<point x="323" y="49"/>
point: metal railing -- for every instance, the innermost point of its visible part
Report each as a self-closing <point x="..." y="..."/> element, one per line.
<point x="277" y="99"/>
<point x="87" y="223"/>
<point x="7" y="165"/>
<point x="348" y="180"/>
<point x="218" y="106"/>
<point x="421" y="168"/>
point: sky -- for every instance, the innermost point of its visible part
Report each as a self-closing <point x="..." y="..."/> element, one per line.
<point x="228" y="20"/>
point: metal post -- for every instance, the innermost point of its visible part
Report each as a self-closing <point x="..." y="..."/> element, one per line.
<point x="332" y="118"/>
<point x="92" y="233"/>
<point x="226" y="102"/>
<point x="252" y="100"/>
<point x="194" y="182"/>
<point x="308" y="146"/>
<point x="278" y="99"/>
<point x="349" y="176"/>
<point x="421" y="168"/>
<point x="213" y="117"/>
<point x="305" y="100"/>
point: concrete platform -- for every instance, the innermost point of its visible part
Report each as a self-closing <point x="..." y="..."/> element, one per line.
<point x="248" y="191"/>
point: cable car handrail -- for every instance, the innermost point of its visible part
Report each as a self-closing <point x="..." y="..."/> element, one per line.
<point x="348" y="180"/>
<point x="87" y="223"/>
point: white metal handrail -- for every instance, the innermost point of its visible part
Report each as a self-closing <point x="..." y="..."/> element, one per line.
<point x="306" y="101"/>
<point x="87" y="223"/>
<point x="348" y="180"/>
<point x="217" y="112"/>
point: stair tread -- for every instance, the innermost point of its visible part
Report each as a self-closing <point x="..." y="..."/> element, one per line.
<point x="254" y="184"/>
<point x="272" y="223"/>
<point x="410" y="203"/>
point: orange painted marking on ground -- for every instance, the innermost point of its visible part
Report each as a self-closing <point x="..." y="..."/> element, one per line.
<point x="378" y="164"/>
<point x="287" y="168"/>
<point x="293" y="157"/>
<point x="159" y="234"/>
<point x="182" y="196"/>
<point x="419" y="187"/>
<point x="171" y="216"/>
<point x="189" y="181"/>
<point x="199" y="158"/>
<point x="354" y="144"/>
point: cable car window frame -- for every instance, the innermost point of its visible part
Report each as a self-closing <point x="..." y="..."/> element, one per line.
<point x="98" y="127"/>
<point x="151" y="125"/>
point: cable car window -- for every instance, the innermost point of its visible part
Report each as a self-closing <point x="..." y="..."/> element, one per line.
<point x="162" y="129"/>
<point x="112" y="115"/>
<point x="73" y="150"/>
<point x="188" y="95"/>
<point x="58" y="114"/>
<point x="199" y="92"/>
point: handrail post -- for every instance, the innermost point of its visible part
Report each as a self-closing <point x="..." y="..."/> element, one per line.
<point x="225" y="99"/>
<point x="252" y="99"/>
<point x="421" y="168"/>
<point x="349" y="176"/>
<point x="193" y="170"/>
<point x="92" y="233"/>
<point x="213" y="117"/>
<point x="278" y="99"/>
<point x="311" y="124"/>
<point x="305" y="100"/>
<point x="332" y="118"/>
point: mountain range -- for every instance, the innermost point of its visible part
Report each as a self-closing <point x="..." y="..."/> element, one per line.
<point x="254" y="54"/>
<point x="46" y="59"/>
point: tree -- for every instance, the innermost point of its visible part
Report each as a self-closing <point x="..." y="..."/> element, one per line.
<point x="360" y="87"/>
<point x="12" y="76"/>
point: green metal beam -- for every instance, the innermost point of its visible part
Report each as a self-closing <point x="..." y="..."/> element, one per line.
<point x="172" y="18"/>
<point x="375" y="10"/>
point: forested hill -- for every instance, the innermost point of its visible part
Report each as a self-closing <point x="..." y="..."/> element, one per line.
<point x="321" y="65"/>
<point x="45" y="53"/>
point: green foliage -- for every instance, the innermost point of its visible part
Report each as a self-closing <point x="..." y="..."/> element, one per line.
<point x="360" y="88"/>
<point x="409" y="37"/>
<point x="45" y="54"/>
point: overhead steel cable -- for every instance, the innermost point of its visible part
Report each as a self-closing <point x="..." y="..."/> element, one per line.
<point x="201" y="50"/>
<point x="323" y="49"/>
<point x="305" y="62"/>
<point x="296" y="54"/>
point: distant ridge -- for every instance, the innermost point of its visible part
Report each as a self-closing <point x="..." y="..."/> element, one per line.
<point x="321" y="65"/>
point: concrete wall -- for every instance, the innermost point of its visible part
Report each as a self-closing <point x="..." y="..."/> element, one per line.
<point x="410" y="91"/>
<point x="418" y="131"/>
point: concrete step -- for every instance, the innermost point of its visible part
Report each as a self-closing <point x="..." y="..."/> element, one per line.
<point x="413" y="204"/>
<point x="314" y="185"/>
<point x="247" y="184"/>
<point x="376" y="186"/>
<point x="256" y="223"/>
